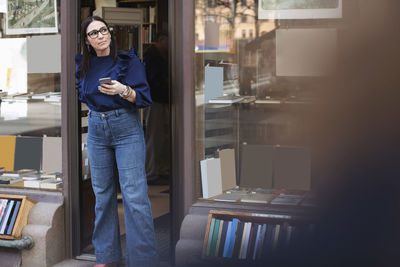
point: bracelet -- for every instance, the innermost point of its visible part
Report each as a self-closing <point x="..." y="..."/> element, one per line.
<point x="129" y="94"/>
<point x="126" y="92"/>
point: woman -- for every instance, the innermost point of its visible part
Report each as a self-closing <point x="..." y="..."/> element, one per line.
<point x="114" y="137"/>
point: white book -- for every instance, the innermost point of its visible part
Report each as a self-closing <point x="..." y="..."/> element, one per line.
<point x="33" y="183"/>
<point x="211" y="177"/>
<point x="226" y="99"/>
<point x="51" y="183"/>
<point x="246" y="225"/>
<point x="246" y="241"/>
<point x="6" y="217"/>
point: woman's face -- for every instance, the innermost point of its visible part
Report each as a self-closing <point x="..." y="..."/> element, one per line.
<point x="98" y="36"/>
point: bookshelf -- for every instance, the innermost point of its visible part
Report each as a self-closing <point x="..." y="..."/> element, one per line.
<point x="18" y="212"/>
<point x="250" y="236"/>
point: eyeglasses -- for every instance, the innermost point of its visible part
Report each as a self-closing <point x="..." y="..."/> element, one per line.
<point x="95" y="33"/>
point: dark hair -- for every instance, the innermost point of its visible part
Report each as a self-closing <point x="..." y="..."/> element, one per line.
<point x="87" y="50"/>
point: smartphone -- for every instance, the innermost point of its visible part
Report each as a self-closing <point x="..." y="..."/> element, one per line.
<point x="105" y="80"/>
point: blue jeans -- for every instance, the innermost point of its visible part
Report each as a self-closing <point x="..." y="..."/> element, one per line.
<point x="116" y="137"/>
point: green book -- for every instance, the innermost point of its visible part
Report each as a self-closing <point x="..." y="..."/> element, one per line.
<point x="214" y="237"/>
<point x="210" y="234"/>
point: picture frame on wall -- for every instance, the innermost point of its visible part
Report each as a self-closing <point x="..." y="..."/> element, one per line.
<point x="31" y="17"/>
<point x="299" y="9"/>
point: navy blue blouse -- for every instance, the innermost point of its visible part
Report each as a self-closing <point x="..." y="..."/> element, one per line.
<point x="127" y="70"/>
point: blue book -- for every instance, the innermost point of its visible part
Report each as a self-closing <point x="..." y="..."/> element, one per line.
<point x="232" y="237"/>
<point x="6" y="217"/>
<point x="228" y="235"/>
<point x="13" y="218"/>
<point x="223" y="238"/>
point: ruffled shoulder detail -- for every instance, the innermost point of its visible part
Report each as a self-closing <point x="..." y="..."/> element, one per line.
<point x="123" y="61"/>
<point x="79" y="80"/>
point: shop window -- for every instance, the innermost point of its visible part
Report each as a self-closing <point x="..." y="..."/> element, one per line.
<point x="30" y="105"/>
<point x="255" y="90"/>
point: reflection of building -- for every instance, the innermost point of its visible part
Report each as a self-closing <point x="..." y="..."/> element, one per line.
<point x="237" y="19"/>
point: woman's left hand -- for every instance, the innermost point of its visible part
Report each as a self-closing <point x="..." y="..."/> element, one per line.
<point x="112" y="89"/>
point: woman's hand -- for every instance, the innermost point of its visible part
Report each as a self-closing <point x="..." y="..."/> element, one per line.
<point x="112" y="89"/>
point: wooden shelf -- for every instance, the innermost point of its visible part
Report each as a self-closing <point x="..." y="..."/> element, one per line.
<point x="22" y="217"/>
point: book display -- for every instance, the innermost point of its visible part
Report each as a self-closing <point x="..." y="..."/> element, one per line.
<point x="251" y="236"/>
<point x="14" y="211"/>
<point x="31" y="160"/>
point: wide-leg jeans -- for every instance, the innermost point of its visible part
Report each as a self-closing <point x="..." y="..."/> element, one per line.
<point x="116" y="137"/>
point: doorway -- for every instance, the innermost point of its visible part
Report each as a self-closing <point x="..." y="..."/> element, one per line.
<point x="144" y="36"/>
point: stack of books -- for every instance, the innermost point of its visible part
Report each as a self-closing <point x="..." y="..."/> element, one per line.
<point x="12" y="177"/>
<point x="43" y="180"/>
<point x="8" y="214"/>
<point x="292" y="198"/>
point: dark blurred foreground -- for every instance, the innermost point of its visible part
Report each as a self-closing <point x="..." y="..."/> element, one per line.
<point x="356" y="152"/>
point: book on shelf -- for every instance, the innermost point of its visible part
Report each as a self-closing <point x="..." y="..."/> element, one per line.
<point x="13" y="217"/>
<point x="211" y="177"/>
<point x="257" y="198"/>
<point x="19" y="173"/>
<point x="6" y="217"/>
<point x="52" y="183"/>
<point x="35" y="183"/>
<point x="245" y="239"/>
<point x="10" y="180"/>
<point x="3" y="205"/>
<point x="226" y="99"/>
<point x="229" y="197"/>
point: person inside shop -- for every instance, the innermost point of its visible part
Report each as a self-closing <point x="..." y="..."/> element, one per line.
<point x="113" y="85"/>
<point x="157" y="116"/>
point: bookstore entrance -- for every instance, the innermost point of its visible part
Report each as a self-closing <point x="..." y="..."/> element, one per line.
<point x="142" y="27"/>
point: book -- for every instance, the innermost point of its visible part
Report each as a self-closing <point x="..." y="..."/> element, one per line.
<point x="229" y="197"/>
<point x="223" y="238"/>
<point x="238" y="239"/>
<point x="34" y="183"/>
<point x="227" y="240"/>
<point x="276" y="236"/>
<point x="226" y="99"/>
<point x="256" y="166"/>
<point x="52" y="183"/>
<point x="214" y="237"/>
<point x="228" y="168"/>
<point x="242" y="240"/>
<point x="10" y="180"/>
<point x="286" y="200"/>
<point x="252" y="240"/>
<point x="257" y="242"/>
<point x="221" y="225"/>
<point x="14" y="217"/>
<point x="7" y="144"/>
<point x="6" y="217"/>
<point x="246" y="241"/>
<point x="3" y="205"/>
<point x="28" y="153"/>
<point x="210" y="234"/>
<point x="257" y="198"/>
<point x="211" y="177"/>
<point x="261" y="242"/>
